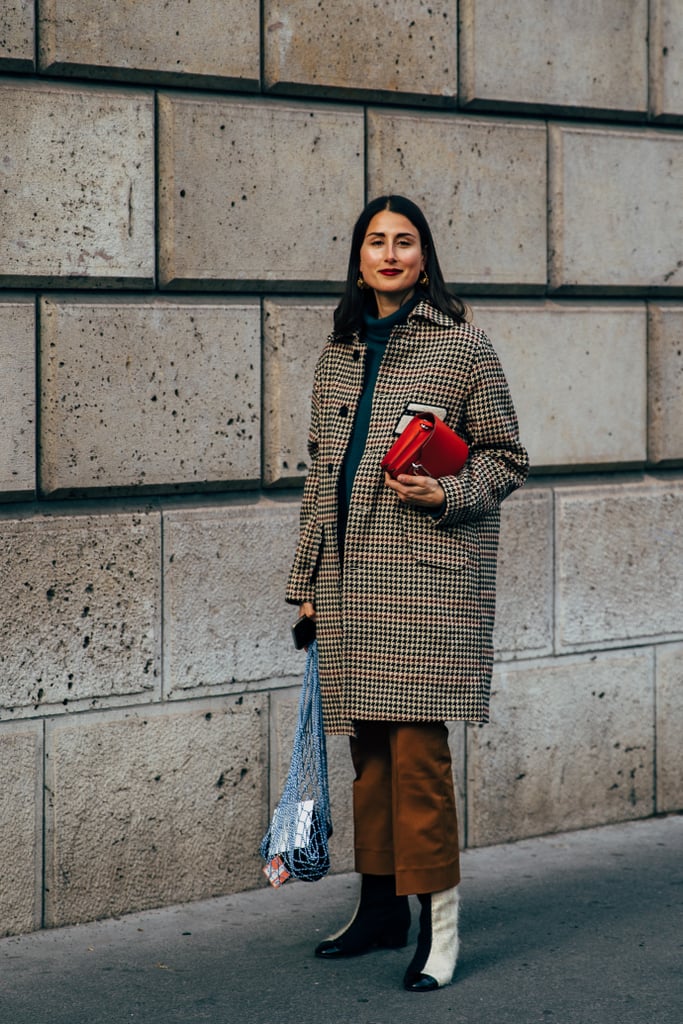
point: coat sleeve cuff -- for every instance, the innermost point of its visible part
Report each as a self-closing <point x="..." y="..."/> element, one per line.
<point x="299" y="589"/>
<point x="452" y="510"/>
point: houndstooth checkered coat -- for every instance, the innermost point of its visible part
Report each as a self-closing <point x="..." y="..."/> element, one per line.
<point x="407" y="634"/>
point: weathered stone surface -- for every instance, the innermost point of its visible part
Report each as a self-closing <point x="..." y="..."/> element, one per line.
<point x="481" y="184"/>
<point x="207" y="43"/>
<point x="226" y="621"/>
<point x="149" y="394"/>
<point x="578" y="379"/>
<point x="390" y="48"/>
<point x="294" y="334"/>
<point x="78" y="184"/>
<point x="666" y="59"/>
<point x="524" y="592"/>
<point x="284" y="709"/>
<point x="80" y="607"/>
<point x="616" y="216"/>
<point x="619" y="556"/>
<point x="21" y="804"/>
<point x="669" y="727"/>
<point x="17" y="39"/>
<point x="571" y="745"/>
<point x="17" y="398"/>
<point x="173" y="800"/>
<point x="665" y="383"/>
<point x="537" y="55"/>
<point x="256" y="191"/>
<point x="457" y="739"/>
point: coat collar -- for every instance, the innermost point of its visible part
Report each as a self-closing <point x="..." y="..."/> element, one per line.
<point x="426" y="311"/>
<point x="423" y="311"/>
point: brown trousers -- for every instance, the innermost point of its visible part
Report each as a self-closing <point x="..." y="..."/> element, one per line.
<point x="404" y="805"/>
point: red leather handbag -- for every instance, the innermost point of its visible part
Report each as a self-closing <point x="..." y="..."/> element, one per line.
<point x="427" y="447"/>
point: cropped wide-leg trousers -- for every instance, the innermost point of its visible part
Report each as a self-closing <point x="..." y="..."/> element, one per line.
<point x="405" y="821"/>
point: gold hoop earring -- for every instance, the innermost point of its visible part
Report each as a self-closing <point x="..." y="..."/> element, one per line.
<point x="424" y="279"/>
<point x="361" y="283"/>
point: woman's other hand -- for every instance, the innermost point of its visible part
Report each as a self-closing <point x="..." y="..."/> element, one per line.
<point x="306" y="608"/>
<point x="419" y="491"/>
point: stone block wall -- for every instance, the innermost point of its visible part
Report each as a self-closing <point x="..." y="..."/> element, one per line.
<point x="178" y="185"/>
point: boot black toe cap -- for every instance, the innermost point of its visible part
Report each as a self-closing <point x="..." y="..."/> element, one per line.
<point x="331" y="950"/>
<point x="420" y="983"/>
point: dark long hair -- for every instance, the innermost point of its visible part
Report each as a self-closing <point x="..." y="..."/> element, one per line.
<point x="348" y="316"/>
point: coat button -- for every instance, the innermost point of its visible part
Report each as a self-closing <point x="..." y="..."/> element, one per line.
<point x="355" y="355"/>
<point x="344" y="411"/>
<point x="330" y="467"/>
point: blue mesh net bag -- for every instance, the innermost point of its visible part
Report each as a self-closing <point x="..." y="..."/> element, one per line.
<point x="295" y="844"/>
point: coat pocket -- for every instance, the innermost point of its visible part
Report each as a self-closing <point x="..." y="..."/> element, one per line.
<point x="455" y="548"/>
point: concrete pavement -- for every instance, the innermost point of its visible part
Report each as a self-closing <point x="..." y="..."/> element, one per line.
<point x="578" y="928"/>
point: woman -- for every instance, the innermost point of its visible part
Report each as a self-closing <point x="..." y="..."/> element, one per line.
<point x="400" y="574"/>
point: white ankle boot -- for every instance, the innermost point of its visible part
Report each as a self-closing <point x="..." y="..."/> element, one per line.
<point x="434" y="962"/>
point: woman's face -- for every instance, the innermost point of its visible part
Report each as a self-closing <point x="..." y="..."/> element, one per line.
<point x="391" y="259"/>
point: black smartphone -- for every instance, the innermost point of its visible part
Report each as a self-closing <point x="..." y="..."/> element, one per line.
<point x="303" y="631"/>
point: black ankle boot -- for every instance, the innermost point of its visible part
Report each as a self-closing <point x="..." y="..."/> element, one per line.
<point x="381" y="921"/>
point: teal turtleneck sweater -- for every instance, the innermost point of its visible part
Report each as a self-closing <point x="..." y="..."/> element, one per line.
<point x="375" y="334"/>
